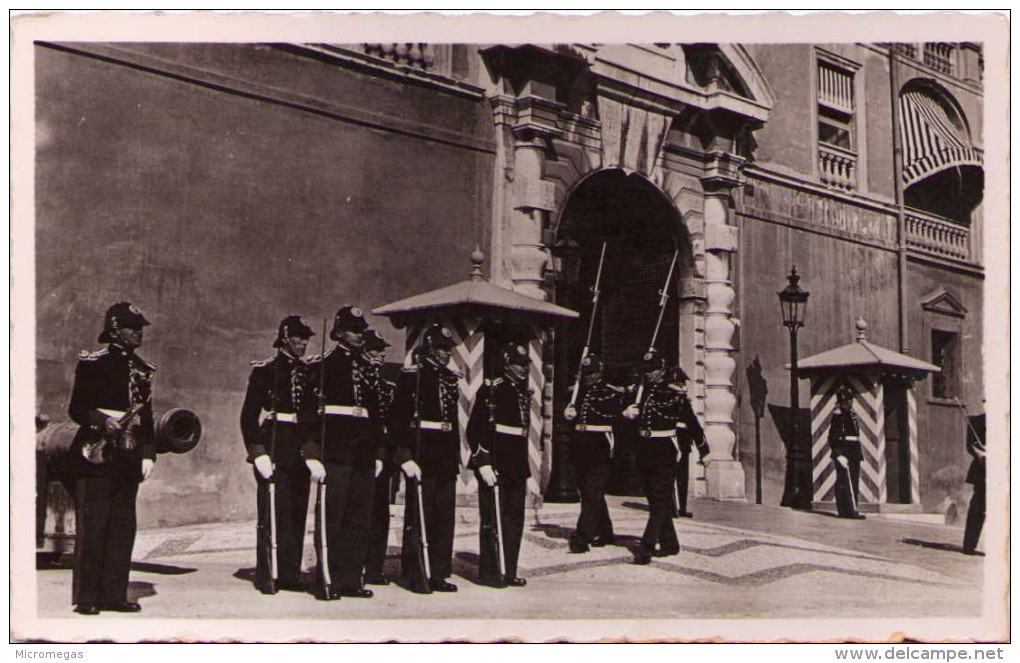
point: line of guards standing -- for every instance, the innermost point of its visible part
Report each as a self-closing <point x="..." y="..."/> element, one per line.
<point x="334" y="421"/>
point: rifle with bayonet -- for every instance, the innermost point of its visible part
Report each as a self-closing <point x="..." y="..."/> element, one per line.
<point x="663" y="300"/>
<point x="325" y="589"/>
<point x="591" y="328"/>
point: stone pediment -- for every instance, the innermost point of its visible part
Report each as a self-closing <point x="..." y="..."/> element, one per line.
<point x="944" y="302"/>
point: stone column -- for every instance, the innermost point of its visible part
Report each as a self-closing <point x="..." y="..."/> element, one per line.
<point x="530" y="214"/>
<point x="724" y="473"/>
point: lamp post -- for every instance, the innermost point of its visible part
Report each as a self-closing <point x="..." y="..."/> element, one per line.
<point x="797" y="491"/>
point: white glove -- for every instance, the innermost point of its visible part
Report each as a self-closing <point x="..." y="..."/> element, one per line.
<point x="111" y="426"/>
<point x="317" y="470"/>
<point x="488" y="475"/>
<point x="632" y="412"/>
<point x="147" y="465"/>
<point x="378" y="468"/>
<point x="842" y="461"/>
<point x="570" y="413"/>
<point x="411" y="470"/>
<point x="264" y="465"/>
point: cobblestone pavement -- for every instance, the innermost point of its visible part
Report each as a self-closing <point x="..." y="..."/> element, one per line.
<point x="737" y="561"/>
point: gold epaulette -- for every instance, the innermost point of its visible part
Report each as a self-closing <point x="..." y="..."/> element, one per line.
<point x="492" y="382"/>
<point x="146" y="364"/>
<point x="677" y="387"/>
<point x="413" y="368"/>
<point x="259" y="363"/>
<point x="88" y="355"/>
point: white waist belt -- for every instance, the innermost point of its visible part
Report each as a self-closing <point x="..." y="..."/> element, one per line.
<point x="509" y="430"/>
<point x="116" y="414"/>
<point x="681" y="425"/>
<point x="851" y="438"/>
<point x="658" y="433"/>
<point x="284" y="417"/>
<point x="593" y="428"/>
<point x="444" y="426"/>
<point x="347" y="411"/>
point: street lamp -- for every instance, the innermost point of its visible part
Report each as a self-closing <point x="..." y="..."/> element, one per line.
<point x="797" y="492"/>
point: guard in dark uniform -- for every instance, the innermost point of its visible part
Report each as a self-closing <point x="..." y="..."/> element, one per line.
<point x="352" y="455"/>
<point x="845" y="447"/>
<point x="427" y="440"/>
<point x="378" y="540"/>
<point x="113" y="451"/>
<point x="661" y="406"/>
<point x="277" y="390"/>
<point x="498" y="436"/>
<point x="690" y="436"/>
<point x="975" y="477"/>
<point x="599" y="403"/>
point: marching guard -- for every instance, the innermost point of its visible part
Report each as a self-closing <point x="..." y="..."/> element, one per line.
<point x="427" y="441"/>
<point x="845" y="446"/>
<point x="378" y="541"/>
<point x="113" y="451"/>
<point x="498" y="436"/>
<point x="277" y="391"/>
<point x="592" y="441"/>
<point x="690" y="435"/>
<point x="343" y="455"/>
<point x="660" y="407"/>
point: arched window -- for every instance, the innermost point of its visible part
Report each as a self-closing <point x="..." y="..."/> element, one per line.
<point x="942" y="171"/>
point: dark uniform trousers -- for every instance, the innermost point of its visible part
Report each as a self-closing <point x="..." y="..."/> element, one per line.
<point x="848" y="479"/>
<point x="439" y="497"/>
<point x="349" y="488"/>
<point x="291" y="480"/>
<point x="590" y="452"/>
<point x="658" y="479"/>
<point x="975" y="518"/>
<point x="379" y="530"/>
<point x="106" y="525"/>
<point x="512" y="493"/>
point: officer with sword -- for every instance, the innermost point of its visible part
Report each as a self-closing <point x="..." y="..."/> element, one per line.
<point x="277" y="389"/>
<point x="497" y="433"/>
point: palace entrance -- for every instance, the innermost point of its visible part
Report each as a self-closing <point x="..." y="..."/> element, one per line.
<point x="642" y="231"/>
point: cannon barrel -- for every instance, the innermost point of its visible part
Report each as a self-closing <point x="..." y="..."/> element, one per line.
<point x="178" y="431"/>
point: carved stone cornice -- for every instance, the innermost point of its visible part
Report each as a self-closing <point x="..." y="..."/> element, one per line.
<point x="722" y="171"/>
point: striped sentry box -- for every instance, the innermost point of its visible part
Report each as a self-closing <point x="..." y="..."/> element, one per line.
<point x="870" y="410"/>
<point x="536" y="382"/>
<point x="915" y="476"/>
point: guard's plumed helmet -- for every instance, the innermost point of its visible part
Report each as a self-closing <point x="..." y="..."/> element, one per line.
<point x="374" y="342"/>
<point x="438" y="336"/>
<point x="348" y="318"/>
<point x="292" y="325"/>
<point x="592" y="364"/>
<point x="845" y="395"/>
<point x="652" y="361"/>
<point x="121" y="314"/>
<point x="515" y="354"/>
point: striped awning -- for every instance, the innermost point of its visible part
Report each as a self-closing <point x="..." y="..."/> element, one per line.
<point x="931" y="141"/>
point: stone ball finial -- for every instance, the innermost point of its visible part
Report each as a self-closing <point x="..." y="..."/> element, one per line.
<point x="477" y="260"/>
<point x="862" y="329"/>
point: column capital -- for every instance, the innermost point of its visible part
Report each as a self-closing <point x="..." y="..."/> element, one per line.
<point x="722" y="172"/>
